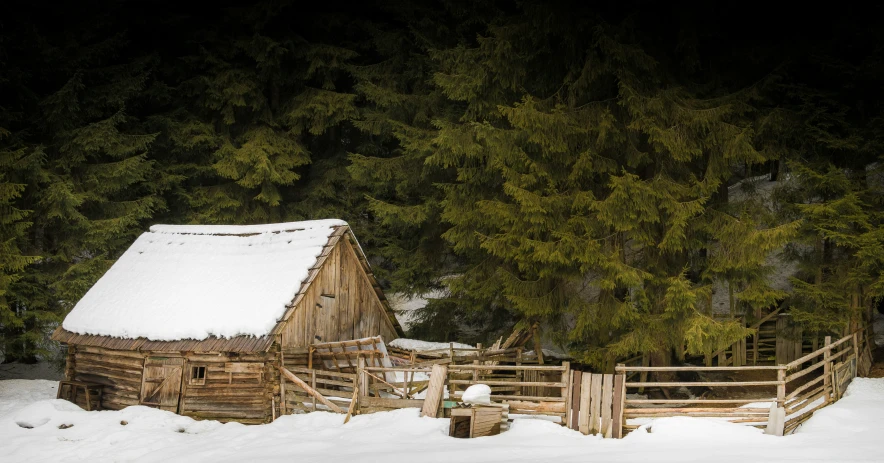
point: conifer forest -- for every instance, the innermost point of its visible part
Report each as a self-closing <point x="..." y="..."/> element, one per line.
<point x="627" y="177"/>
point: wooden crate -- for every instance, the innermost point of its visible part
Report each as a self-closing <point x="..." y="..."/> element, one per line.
<point x="475" y="421"/>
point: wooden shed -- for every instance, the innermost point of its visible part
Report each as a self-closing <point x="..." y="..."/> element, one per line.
<point x="196" y="319"/>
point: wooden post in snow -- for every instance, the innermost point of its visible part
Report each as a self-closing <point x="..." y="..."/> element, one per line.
<point x="855" y="353"/>
<point x="827" y="369"/>
<point x="361" y="377"/>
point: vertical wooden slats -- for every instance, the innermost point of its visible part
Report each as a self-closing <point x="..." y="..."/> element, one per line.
<point x="585" y="395"/>
<point x="596" y="404"/>
<point x="607" y="396"/>
<point x="354" y="311"/>
<point x="575" y="399"/>
<point x="617" y="406"/>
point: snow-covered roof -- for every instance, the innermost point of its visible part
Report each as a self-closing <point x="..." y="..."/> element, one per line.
<point x="197" y="281"/>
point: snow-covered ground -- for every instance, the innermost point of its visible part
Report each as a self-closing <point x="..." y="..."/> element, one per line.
<point x="846" y="431"/>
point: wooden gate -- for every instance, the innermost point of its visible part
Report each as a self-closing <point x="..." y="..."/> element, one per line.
<point x="842" y="374"/>
<point x="596" y="404"/>
<point x="161" y="382"/>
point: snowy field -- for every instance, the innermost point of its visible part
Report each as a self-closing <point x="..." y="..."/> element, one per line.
<point x="850" y="430"/>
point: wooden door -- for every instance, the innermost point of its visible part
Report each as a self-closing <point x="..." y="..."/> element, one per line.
<point x="161" y="382"/>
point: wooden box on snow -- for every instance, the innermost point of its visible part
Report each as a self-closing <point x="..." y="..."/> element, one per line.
<point x="475" y="421"/>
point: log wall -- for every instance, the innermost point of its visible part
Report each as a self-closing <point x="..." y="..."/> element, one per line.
<point x="236" y="387"/>
<point x="119" y="371"/>
<point x="339" y="305"/>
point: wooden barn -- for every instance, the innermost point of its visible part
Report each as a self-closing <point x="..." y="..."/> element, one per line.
<point x="197" y="319"/>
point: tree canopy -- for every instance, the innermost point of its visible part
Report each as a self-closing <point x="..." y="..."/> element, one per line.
<point x="604" y="172"/>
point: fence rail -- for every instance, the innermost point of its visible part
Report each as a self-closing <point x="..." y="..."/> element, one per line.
<point x="595" y="403"/>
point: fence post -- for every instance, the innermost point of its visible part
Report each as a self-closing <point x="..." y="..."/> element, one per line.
<point x="476" y="362"/>
<point x="361" y="378"/>
<point x="827" y="369"/>
<point x="619" y="404"/>
<point x="855" y="353"/>
<point x="755" y="346"/>
<point x="776" y="418"/>
<point x="566" y="392"/>
<point x="781" y="388"/>
<point x="313" y="385"/>
<point x="643" y="376"/>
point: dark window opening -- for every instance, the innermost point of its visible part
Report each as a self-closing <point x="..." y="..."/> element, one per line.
<point x="198" y="375"/>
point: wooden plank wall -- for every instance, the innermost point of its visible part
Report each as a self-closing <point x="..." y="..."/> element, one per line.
<point x="119" y="371"/>
<point x="230" y="393"/>
<point x="339" y="305"/>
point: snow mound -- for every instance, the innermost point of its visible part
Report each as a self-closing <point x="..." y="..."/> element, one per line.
<point x="423" y="346"/>
<point x="866" y="389"/>
<point x="478" y="394"/>
<point x="688" y="428"/>
<point x="196" y="281"/>
<point x="17" y="393"/>
<point x="39" y="413"/>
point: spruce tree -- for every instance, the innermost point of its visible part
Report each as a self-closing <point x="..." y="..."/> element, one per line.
<point x="79" y="162"/>
<point x="253" y="101"/>
<point x="16" y="324"/>
<point x="577" y="180"/>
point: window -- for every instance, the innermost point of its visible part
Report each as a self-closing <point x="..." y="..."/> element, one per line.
<point x="198" y="374"/>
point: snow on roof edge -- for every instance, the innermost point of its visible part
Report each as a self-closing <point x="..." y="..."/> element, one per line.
<point x="245" y="229"/>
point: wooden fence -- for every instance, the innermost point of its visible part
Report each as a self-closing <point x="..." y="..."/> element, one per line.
<point x="334" y="386"/>
<point x="528" y="389"/>
<point x="517" y="355"/>
<point x="597" y="403"/>
<point x="796" y="389"/>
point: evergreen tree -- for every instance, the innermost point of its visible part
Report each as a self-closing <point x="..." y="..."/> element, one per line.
<point x="245" y="113"/>
<point x="831" y="133"/>
<point x="17" y="330"/>
<point x="577" y="179"/>
<point x="79" y="162"/>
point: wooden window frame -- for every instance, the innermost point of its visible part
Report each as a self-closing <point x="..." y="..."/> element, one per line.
<point x="195" y="380"/>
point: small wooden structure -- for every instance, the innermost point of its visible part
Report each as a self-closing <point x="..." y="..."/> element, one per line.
<point x="475" y="421"/>
<point x="221" y="376"/>
<point x="69" y="390"/>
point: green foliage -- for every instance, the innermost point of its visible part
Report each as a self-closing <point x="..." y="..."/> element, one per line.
<point x="578" y="185"/>
<point x="591" y="170"/>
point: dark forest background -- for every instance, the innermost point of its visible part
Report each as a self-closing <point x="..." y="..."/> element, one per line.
<point x="598" y="170"/>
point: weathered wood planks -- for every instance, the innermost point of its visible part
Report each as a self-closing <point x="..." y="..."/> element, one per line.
<point x="434" y="391"/>
<point x="596" y="405"/>
<point x="340" y="303"/>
